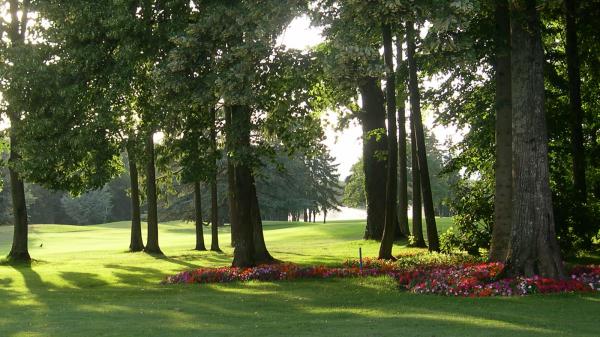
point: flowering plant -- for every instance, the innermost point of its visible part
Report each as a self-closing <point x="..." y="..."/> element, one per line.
<point x="467" y="279"/>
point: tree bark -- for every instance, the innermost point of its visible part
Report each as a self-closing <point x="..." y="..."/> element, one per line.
<point x="374" y="144"/>
<point x="533" y="248"/>
<point x="243" y="254"/>
<point x="402" y="158"/>
<point x="576" y="120"/>
<point x="503" y="172"/>
<point x="389" y="231"/>
<point x="152" y="246"/>
<point x="261" y="253"/>
<point x="415" y="104"/>
<point x="136" y="243"/>
<point x="214" y="202"/>
<point x="198" y="217"/>
<point x="19" y="251"/>
<point x="231" y="192"/>
<point x="417" y="218"/>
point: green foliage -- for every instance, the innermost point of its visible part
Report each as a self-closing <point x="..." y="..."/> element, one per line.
<point x="354" y="189"/>
<point x="90" y="208"/>
<point x="473" y="206"/>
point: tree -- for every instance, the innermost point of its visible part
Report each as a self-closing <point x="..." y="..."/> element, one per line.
<point x="533" y="249"/>
<point x="503" y="168"/>
<point x="432" y="235"/>
<point x="576" y="114"/>
<point x="391" y="219"/>
<point x="12" y="47"/>
<point x="402" y="152"/>
<point x="417" y="209"/>
<point x="354" y="187"/>
<point x="136" y="243"/>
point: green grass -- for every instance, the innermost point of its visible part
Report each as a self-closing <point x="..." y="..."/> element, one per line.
<point x="84" y="283"/>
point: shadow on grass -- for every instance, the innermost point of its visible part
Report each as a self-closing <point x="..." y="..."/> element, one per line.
<point x="350" y="307"/>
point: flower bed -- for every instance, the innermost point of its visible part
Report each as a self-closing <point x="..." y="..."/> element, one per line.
<point x="274" y="272"/>
<point x="468" y="279"/>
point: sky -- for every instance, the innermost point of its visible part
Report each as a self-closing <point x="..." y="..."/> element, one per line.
<point x="346" y="145"/>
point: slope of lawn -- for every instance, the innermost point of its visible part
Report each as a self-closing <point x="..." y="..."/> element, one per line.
<point x="84" y="283"/>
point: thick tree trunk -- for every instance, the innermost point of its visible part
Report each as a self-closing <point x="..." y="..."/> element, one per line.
<point x="389" y="231"/>
<point x="198" y="217"/>
<point x="19" y="251"/>
<point x="136" y="243"/>
<point x="417" y="209"/>
<point x="402" y="158"/>
<point x="503" y="174"/>
<point x="243" y="254"/>
<point x="152" y="246"/>
<point x="305" y="215"/>
<point x="415" y="104"/>
<point x="576" y="120"/>
<point x="214" y="202"/>
<point x="374" y="143"/>
<point x="261" y="253"/>
<point x="533" y="247"/>
<point x="324" y="216"/>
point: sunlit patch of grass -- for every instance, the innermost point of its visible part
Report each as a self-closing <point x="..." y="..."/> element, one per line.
<point x="86" y="283"/>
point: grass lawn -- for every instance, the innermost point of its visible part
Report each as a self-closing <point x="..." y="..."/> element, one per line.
<point x="84" y="283"/>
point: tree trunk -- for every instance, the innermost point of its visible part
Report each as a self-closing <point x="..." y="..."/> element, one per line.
<point x="503" y="174"/>
<point x="415" y="104"/>
<point x="136" y="244"/>
<point x="402" y="159"/>
<point x="19" y="251"/>
<point x="231" y="196"/>
<point x="533" y="247"/>
<point x="374" y="143"/>
<point x="305" y="215"/>
<point x="152" y="239"/>
<point x="417" y="219"/>
<point x="198" y="217"/>
<point x="576" y="120"/>
<point x="214" y="202"/>
<point x="261" y="253"/>
<point x="324" y="216"/>
<point x="389" y="231"/>
<point x="243" y="254"/>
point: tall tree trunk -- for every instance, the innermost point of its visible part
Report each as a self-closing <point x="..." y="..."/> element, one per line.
<point x="243" y="254"/>
<point x="417" y="209"/>
<point x="151" y="200"/>
<point x="324" y="216"/>
<point x="231" y="192"/>
<point x="576" y="120"/>
<point x="415" y="104"/>
<point x="136" y="243"/>
<point x="387" y="242"/>
<point x="374" y="143"/>
<point x="198" y="217"/>
<point x="402" y="158"/>
<point x="261" y="253"/>
<point x="503" y="174"/>
<point x="214" y="202"/>
<point x="19" y="251"/>
<point x="305" y="215"/>
<point x="533" y="248"/>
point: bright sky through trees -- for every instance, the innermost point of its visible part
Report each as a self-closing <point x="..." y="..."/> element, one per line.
<point x="343" y="144"/>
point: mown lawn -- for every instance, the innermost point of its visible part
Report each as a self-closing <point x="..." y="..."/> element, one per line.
<point x="84" y="283"/>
